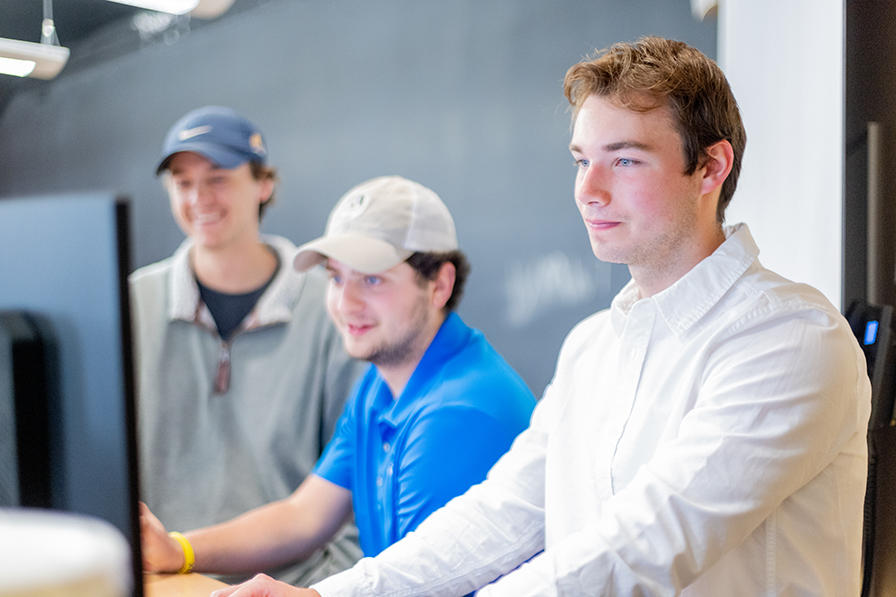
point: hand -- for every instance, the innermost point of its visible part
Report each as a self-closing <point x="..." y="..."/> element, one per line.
<point x="264" y="586"/>
<point x="161" y="553"/>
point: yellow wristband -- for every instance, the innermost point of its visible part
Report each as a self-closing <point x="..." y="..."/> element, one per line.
<point x="189" y="555"/>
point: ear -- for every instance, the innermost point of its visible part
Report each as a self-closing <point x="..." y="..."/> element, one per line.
<point x="443" y="285"/>
<point x="267" y="189"/>
<point x="718" y="164"/>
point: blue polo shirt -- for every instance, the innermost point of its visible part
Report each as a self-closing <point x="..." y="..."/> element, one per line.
<point x="403" y="459"/>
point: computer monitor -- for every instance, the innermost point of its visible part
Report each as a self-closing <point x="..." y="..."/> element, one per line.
<point x="65" y="348"/>
<point x="29" y="399"/>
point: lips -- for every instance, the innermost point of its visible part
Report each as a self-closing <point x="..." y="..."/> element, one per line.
<point x="599" y="224"/>
<point x="357" y="329"/>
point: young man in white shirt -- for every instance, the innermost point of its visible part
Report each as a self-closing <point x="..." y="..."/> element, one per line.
<point x="705" y="436"/>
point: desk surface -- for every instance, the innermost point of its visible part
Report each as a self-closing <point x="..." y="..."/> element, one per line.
<point x="179" y="585"/>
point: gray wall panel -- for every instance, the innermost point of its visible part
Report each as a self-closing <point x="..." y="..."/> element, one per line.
<point x="464" y="96"/>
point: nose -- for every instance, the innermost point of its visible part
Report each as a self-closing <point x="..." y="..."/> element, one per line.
<point x="591" y="186"/>
<point x="202" y="194"/>
<point x="349" y="300"/>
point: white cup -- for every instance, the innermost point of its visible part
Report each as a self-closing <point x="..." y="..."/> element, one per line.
<point x="54" y="554"/>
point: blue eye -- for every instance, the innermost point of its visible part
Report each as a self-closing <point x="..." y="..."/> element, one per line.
<point x="372" y="280"/>
<point x="625" y="162"/>
<point x="581" y="163"/>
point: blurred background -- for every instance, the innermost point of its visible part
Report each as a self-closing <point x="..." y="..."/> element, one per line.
<point x="463" y="96"/>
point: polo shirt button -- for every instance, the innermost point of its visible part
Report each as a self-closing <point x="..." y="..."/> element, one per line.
<point x="386" y="446"/>
<point x="379" y="482"/>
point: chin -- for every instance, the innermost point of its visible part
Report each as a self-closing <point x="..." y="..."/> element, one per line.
<point x="356" y="351"/>
<point x="607" y="256"/>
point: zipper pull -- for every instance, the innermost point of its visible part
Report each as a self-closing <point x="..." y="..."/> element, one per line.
<point x="222" y="378"/>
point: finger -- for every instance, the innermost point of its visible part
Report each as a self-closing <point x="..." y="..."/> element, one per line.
<point x="147" y="517"/>
<point x="260" y="585"/>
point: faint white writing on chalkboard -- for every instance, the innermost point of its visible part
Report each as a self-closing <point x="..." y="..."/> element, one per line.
<point x="551" y="281"/>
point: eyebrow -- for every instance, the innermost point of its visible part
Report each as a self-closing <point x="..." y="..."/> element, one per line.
<point x="616" y="146"/>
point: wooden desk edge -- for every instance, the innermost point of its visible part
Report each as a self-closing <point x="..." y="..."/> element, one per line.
<point x="179" y="585"/>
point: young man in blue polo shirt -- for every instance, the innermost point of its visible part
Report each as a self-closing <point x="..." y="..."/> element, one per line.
<point x="438" y="407"/>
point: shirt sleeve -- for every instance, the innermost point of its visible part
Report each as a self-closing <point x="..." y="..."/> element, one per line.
<point x="338" y="459"/>
<point x="769" y="417"/>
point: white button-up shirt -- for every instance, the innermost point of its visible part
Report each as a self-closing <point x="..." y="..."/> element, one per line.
<point x="707" y="441"/>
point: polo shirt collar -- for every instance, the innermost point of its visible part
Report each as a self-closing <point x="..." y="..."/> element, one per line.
<point x="451" y="337"/>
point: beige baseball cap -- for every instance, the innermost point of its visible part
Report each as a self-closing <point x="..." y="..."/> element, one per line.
<point x="380" y="223"/>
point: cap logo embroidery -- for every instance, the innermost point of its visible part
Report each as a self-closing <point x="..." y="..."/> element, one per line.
<point x="256" y="144"/>
<point x="190" y="133"/>
<point x="355" y="206"/>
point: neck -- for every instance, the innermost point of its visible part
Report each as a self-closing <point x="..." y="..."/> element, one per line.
<point x="653" y="280"/>
<point x="397" y="375"/>
<point x="234" y="270"/>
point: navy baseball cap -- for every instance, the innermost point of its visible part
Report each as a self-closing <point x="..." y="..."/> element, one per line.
<point x="219" y="134"/>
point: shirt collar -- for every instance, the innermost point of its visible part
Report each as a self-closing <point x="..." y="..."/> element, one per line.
<point x="694" y="294"/>
<point x="183" y="299"/>
<point x="274" y="306"/>
<point x="451" y="337"/>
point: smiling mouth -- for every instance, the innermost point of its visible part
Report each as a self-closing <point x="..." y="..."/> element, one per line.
<point x="357" y="330"/>
<point x="208" y="218"/>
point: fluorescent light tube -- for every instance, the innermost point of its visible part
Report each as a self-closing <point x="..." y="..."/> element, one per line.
<point x="175" y="7"/>
<point x="16" y="67"/>
<point x="48" y="59"/>
<point x="211" y="9"/>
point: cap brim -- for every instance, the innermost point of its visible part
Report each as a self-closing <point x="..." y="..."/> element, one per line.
<point x="360" y="252"/>
<point x="220" y="156"/>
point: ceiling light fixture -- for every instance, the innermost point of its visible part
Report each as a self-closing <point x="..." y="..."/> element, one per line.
<point x="203" y="9"/>
<point x="704" y="8"/>
<point x="175" y="7"/>
<point x="29" y="59"/>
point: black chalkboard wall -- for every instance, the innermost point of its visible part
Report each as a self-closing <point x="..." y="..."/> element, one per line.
<point x="464" y="96"/>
